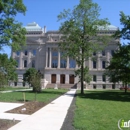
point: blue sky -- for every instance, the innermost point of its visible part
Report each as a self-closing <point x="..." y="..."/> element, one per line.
<point x="44" y="12"/>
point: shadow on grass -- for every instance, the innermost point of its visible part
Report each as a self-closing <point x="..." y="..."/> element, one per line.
<point x="106" y="95"/>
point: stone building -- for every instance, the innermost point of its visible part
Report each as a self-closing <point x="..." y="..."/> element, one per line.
<point x="43" y="54"/>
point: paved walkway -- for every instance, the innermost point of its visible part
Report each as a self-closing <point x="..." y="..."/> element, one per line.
<point x="8" y="106"/>
<point x="50" y="117"/>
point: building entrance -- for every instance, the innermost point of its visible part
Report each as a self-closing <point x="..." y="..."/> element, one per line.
<point x="53" y="78"/>
<point x="71" y="79"/>
<point x="62" y="79"/>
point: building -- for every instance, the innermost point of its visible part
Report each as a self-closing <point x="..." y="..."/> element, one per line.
<point x="43" y="54"/>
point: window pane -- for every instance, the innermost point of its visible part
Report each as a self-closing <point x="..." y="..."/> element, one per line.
<point x="17" y="53"/>
<point x="94" y="78"/>
<point x="33" y="63"/>
<point x="94" y="64"/>
<point x="103" y="64"/>
<point x="25" y="63"/>
<point x="54" y="63"/>
<point x="34" y="52"/>
<point x="26" y="52"/>
<point x="103" y="53"/>
<point x="72" y="63"/>
<point x="17" y="63"/>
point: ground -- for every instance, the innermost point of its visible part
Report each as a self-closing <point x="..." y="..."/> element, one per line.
<point x="30" y="107"/>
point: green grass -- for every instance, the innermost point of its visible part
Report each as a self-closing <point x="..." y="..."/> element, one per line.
<point x="101" y="110"/>
<point x="45" y="96"/>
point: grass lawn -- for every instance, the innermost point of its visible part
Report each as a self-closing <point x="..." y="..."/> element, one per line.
<point x="101" y="110"/>
<point x="12" y="88"/>
<point x="45" y="96"/>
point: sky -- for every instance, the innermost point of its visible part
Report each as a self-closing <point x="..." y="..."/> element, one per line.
<point x="44" y="12"/>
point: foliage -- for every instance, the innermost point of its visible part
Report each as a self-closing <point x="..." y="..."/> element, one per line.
<point x="87" y="77"/>
<point x="11" y="31"/>
<point x="28" y="75"/>
<point x="125" y="31"/>
<point x="7" y="69"/>
<point x="33" y="77"/>
<point x="119" y="67"/>
<point x="79" y="29"/>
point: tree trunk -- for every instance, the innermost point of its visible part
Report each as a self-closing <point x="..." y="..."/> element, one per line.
<point x="82" y="73"/>
<point x="125" y="88"/>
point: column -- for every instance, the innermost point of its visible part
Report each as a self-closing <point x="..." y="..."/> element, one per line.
<point x="90" y="65"/>
<point x="67" y="79"/>
<point x="46" y="57"/>
<point x="58" y="58"/>
<point x="28" y="60"/>
<point x="20" y="61"/>
<point x="50" y="58"/>
<point x="67" y="66"/>
<point x="58" y="78"/>
<point x="98" y="63"/>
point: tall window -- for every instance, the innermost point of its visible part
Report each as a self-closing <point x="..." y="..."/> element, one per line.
<point x="72" y="63"/>
<point x="54" y="63"/>
<point x="103" y="78"/>
<point x="103" y="64"/>
<point x="33" y="63"/>
<point x="34" y="52"/>
<point x="103" y="53"/>
<point x="112" y="52"/>
<point x="17" y="63"/>
<point x="94" y="53"/>
<point x="63" y="63"/>
<point x="17" y="53"/>
<point x="94" y="78"/>
<point x="54" y="53"/>
<point x="25" y="52"/>
<point x="25" y="63"/>
<point x="94" y="64"/>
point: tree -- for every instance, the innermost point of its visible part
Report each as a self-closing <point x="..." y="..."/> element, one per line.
<point x="11" y="31"/>
<point x="28" y="75"/>
<point x="7" y="69"/>
<point x="119" y="67"/>
<point x="79" y="29"/>
<point x="33" y="77"/>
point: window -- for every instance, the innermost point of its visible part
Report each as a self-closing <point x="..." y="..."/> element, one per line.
<point x="103" y="64"/>
<point x="54" y="53"/>
<point x="103" y="78"/>
<point x="17" y="63"/>
<point x="25" y="63"/>
<point x="54" y="63"/>
<point x="25" y="52"/>
<point x="113" y="86"/>
<point x="94" y="86"/>
<point x="33" y="63"/>
<point x="63" y="64"/>
<point x="17" y="53"/>
<point x="94" y="53"/>
<point x="34" y="52"/>
<point x="104" y="86"/>
<point x="72" y="63"/>
<point x="112" y="52"/>
<point x="94" y="64"/>
<point x="103" y="53"/>
<point x="94" y="78"/>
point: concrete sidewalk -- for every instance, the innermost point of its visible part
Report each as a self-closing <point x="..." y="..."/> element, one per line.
<point x="50" y="117"/>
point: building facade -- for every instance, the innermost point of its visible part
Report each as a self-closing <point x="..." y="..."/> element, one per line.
<point x="42" y="53"/>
